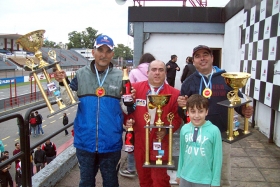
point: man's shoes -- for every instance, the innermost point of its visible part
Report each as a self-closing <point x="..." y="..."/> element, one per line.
<point x="127" y="173"/>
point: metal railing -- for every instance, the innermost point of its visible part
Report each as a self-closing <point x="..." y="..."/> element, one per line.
<point x="22" y="100"/>
<point x="25" y="151"/>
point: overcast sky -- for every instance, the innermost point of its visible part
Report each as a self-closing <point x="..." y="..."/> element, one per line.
<point x="59" y="17"/>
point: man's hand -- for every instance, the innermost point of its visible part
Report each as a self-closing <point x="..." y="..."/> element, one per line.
<point x="160" y="134"/>
<point x="129" y="123"/>
<point x="168" y="66"/>
<point x="247" y="111"/>
<point x="133" y="93"/>
<point x="59" y="75"/>
<point x="177" y="180"/>
<point x="182" y="101"/>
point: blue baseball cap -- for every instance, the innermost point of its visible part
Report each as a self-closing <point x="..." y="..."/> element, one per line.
<point x="104" y="40"/>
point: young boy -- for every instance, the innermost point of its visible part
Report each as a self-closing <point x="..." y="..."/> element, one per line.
<point x="200" y="159"/>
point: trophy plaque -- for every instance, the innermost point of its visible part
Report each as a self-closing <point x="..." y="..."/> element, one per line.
<point x="33" y="41"/>
<point x="235" y="80"/>
<point x="158" y="102"/>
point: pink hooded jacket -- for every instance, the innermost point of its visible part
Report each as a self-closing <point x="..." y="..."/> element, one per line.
<point x="139" y="74"/>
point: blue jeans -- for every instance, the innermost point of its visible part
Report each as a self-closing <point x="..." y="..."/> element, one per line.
<point x="108" y="163"/>
<point x="131" y="162"/>
<point x="40" y="129"/>
<point x="33" y="130"/>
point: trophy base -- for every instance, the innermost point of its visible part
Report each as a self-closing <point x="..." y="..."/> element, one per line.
<point x="60" y="110"/>
<point x="159" y="127"/>
<point x="236" y="138"/>
<point x="163" y="165"/>
<point x="44" y="68"/>
<point x="228" y="104"/>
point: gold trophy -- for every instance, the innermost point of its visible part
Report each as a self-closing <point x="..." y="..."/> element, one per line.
<point x="158" y="102"/>
<point x="235" y="80"/>
<point x="33" y="41"/>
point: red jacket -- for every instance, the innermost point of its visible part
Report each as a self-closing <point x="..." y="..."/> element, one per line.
<point x="32" y="121"/>
<point x="142" y="88"/>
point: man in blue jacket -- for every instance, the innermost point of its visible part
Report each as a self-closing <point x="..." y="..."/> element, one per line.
<point x="98" y="124"/>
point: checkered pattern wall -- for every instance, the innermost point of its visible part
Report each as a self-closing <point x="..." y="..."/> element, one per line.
<point x="261" y="51"/>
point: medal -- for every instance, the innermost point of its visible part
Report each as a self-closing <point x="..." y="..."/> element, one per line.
<point x="100" y="91"/>
<point x="207" y="92"/>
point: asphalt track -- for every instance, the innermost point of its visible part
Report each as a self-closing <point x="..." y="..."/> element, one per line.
<point x="9" y="129"/>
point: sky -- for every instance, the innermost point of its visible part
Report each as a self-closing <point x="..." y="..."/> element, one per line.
<point x="60" y="17"/>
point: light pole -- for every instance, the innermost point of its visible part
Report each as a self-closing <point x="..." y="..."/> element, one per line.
<point x="124" y="56"/>
<point x="87" y="55"/>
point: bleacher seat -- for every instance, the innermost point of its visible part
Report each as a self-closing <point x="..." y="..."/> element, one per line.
<point x="21" y="61"/>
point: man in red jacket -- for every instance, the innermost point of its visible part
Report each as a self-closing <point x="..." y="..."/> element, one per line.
<point x="153" y="177"/>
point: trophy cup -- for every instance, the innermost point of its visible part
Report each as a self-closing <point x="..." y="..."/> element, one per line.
<point x="235" y="80"/>
<point x="158" y="101"/>
<point x="33" y="41"/>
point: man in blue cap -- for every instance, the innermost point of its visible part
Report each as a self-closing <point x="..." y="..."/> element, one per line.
<point x="98" y="124"/>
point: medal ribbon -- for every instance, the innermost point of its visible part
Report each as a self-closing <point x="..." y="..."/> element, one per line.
<point x="98" y="78"/>
<point x="209" y="85"/>
<point x="156" y="92"/>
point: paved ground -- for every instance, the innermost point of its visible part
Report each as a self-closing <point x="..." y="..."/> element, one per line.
<point x="254" y="163"/>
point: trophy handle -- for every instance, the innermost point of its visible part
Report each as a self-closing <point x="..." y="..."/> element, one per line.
<point x="147" y="118"/>
<point x="52" y="55"/>
<point x="170" y="117"/>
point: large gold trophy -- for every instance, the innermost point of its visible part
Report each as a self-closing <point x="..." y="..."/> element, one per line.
<point x="158" y="102"/>
<point x="33" y="41"/>
<point x="235" y="80"/>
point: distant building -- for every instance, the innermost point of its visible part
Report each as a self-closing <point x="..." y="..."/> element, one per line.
<point x="84" y="52"/>
<point x="8" y="42"/>
<point x="62" y="45"/>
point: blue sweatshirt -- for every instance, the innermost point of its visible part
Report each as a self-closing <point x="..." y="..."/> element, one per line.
<point x="217" y="114"/>
<point x="200" y="161"/>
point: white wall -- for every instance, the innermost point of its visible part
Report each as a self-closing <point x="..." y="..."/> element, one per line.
<point x="162" y="46"/>
<point x="263" y="120"/>
<point x="231" y="62"/>
<point x="232" y="43"/>
<point x="277" y="129"/>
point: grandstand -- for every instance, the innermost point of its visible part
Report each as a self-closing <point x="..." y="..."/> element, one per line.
<point x="70" y="60"/>
<point x="20" y="61"/>
<point x="6" y="64"/>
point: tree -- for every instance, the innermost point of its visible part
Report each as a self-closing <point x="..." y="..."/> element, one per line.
<point x="50" y="44"/>
<point x="84" y="39"/>
<point x="123" y="51"/>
